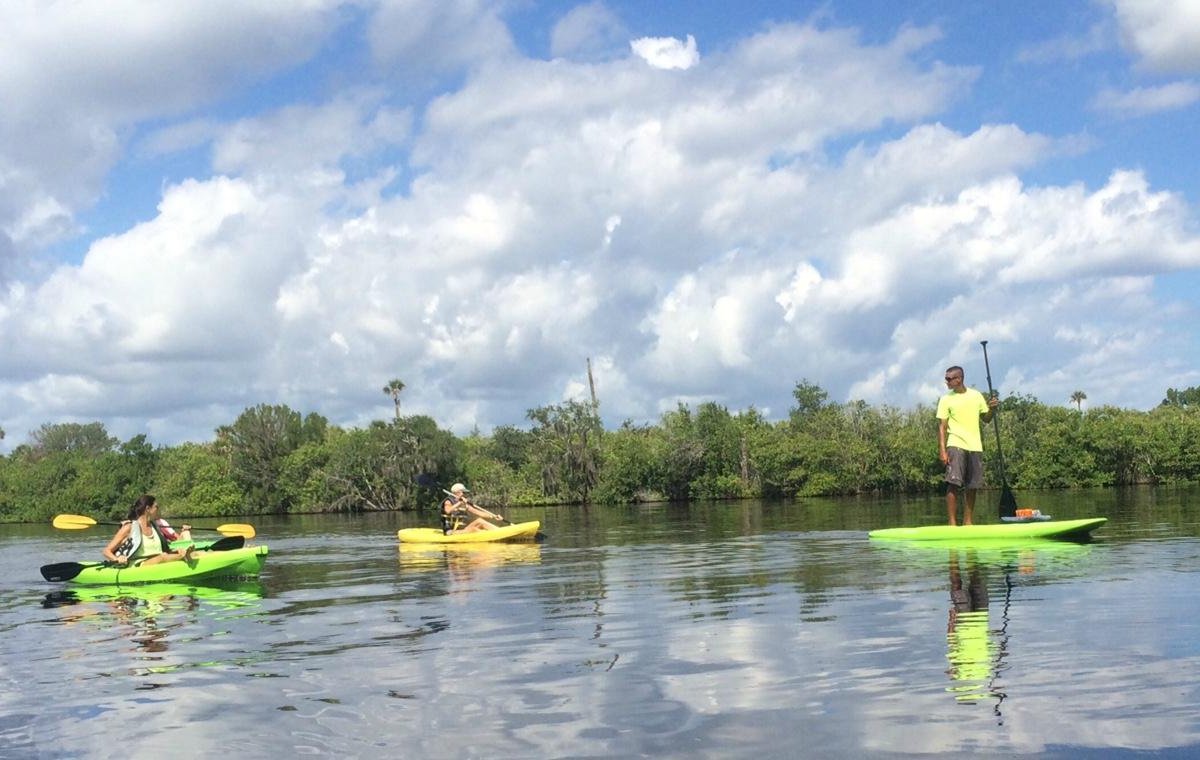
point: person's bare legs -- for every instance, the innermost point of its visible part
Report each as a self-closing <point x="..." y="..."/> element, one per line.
<point x="969" y="507"/>
<point x="952" y="503"/>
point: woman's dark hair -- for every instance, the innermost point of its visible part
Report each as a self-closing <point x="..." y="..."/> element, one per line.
<point x="144" y="502"/>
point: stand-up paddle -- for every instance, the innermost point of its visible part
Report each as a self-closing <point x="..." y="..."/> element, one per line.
<point x="1008" y="502"/>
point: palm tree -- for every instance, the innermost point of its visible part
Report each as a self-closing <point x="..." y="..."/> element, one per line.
<point x="393" y="389"/>
<point x="1077" y="398"/>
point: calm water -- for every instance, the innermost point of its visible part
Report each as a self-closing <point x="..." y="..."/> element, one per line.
<point x="729" y="630"/>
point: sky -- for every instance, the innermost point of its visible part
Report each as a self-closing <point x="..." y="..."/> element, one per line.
<point x="205" y="206"/>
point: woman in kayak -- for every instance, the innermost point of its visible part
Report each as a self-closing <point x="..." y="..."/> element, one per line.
<point x="457" y="513"/>
<point x="142" y="538"/>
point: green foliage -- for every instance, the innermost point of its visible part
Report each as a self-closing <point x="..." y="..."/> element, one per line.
<point x="193" y="479"/>
<point x="393" y="389"/>
<point x="1174" y="435"/>
<point x="75" y="469"/>
<point x="632" y="471"/>
<point x="510" y="446"/>
<point x="90" y="438"/>
<point x="496" y="480"/>
<point x="1077" y="398"/>
<point x="258" y="443"/>
<point x="377" y="468"/>
<point x="1188" y="397"/>
<point x="810" y="400"/>
<point x="272" y="459"/>
<point x="566" y="448"/>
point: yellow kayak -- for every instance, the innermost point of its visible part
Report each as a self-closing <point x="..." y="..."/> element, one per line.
<point x="518" y="531"/>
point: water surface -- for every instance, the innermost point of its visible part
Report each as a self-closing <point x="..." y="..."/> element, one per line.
<point x="741" y="629"/>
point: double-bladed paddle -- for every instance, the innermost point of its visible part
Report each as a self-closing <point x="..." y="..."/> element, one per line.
<point x="1008" y="502"/>
<point x="80" y="522"/>
<point x="65" y="571"/>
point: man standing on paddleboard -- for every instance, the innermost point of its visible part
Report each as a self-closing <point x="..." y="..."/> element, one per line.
<point x="960" y="443"/>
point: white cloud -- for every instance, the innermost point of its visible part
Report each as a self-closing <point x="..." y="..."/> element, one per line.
<point x="77" y="76"/>
<point x="1165" y="33"/>
<point x="1070" y="47"/>
<point x="791" y="209"/>
<point x="419" y="40"/>
<point x="591" y="31"/>
<point x="667" y="52"/>
<point x="1148" y="100"/>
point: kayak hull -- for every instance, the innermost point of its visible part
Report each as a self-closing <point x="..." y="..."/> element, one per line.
<point x="1071" y="530"/>
<point x="517" y="532"/>
<point x="243" y="562"/>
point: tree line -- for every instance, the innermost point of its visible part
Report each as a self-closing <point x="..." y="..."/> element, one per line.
<point x="274" y="460"/>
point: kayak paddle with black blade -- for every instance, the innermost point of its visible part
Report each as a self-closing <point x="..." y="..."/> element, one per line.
<point x="1008" y="502"/>
<point x="65" y="571"/>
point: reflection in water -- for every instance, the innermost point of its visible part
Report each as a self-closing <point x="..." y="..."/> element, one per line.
<point x="465" y="559"/>
<point x="147" y="614"/>
<point x="971" y="649"/>
<point x="654" y="635"/>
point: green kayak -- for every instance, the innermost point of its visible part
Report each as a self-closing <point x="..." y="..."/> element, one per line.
<point x="1070" y="530"/>
<point x="244" y="562"/>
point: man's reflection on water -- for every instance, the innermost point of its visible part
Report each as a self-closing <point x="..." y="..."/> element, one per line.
<point x="973" y="648"/>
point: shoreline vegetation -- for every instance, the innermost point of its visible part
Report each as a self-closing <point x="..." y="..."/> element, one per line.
<point x="274" y="460"/>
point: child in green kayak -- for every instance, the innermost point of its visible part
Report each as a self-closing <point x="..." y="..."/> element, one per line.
<point x="142" y="538"/>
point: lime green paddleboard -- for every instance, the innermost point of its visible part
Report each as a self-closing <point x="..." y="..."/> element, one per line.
<point x="1070" y="530"/>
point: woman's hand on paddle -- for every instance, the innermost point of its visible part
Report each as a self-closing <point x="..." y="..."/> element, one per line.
<point x="484" y="512"/>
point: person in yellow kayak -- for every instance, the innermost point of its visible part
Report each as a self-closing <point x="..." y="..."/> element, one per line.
<point x="142" y="538"/>
<point x="458" y="511"/>
<point x="960" y="443"/>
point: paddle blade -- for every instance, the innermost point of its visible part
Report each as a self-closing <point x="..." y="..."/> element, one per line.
<point x="237" y="529"/>
<point x="227" y="544"/>
<point x="62" y="571"/>
<point x="72" y="522"/>
<point x="1008" y="503"/>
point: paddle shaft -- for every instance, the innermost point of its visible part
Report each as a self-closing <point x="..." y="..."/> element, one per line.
<point x="539" y="536"/>
<point x="82" y="522"/>
<point x="1008" y="502"/>
<point x="995" y="414"/>
<point x="491" y="515"/>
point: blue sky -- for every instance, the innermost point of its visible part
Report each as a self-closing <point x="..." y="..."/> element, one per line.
<point x="208" y="206"/>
